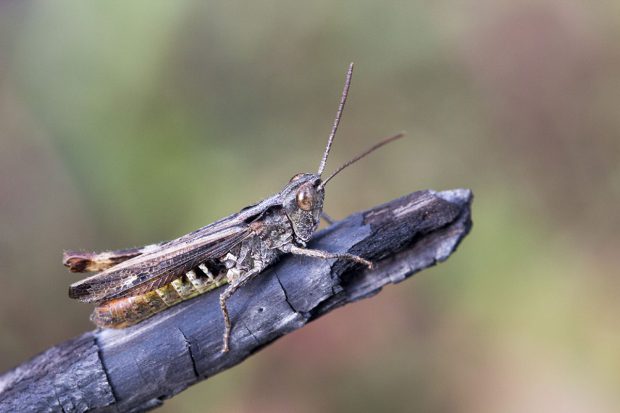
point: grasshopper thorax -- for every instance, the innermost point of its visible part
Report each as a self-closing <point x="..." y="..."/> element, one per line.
<point x="302" y="199"/>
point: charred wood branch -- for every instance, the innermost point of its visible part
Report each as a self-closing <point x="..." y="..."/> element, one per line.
<point x="135" y="369"/>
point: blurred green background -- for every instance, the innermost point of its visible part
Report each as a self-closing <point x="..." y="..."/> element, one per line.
<point x="126" y="123"/>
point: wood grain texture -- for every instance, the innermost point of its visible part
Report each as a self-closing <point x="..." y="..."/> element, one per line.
<point x="135" y="369"/>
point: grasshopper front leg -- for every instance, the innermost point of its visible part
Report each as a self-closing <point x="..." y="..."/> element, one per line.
<point x="327" y="255"/>
<point x="327" y="218"/>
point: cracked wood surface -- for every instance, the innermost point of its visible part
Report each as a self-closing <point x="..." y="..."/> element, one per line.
<point x="136" y="368"/>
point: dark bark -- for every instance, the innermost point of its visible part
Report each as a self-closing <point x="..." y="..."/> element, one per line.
<point x="135" y="369"/>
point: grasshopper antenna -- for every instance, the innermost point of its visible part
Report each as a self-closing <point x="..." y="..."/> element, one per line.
<point x="368" y="151"/>
<point x="343" y="100"/>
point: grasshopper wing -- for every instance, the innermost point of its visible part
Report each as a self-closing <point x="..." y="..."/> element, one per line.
<point x="82" y="261"/>
<point x="152" y="270"/>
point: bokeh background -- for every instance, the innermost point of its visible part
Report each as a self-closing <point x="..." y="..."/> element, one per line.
<point x="125" y="123"/>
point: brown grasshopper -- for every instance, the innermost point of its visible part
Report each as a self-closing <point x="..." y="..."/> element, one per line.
<point x="133" y="284"/>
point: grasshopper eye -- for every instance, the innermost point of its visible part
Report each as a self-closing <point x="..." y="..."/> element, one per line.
<point x="305" y="198"/>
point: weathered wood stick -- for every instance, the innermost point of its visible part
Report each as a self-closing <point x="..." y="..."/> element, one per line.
<point x="135" y="369"/>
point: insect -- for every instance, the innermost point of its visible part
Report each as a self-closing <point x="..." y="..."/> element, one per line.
<point x="134" y="284"/>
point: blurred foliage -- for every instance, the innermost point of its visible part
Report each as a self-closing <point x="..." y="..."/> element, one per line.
<point x="125" y="123"/>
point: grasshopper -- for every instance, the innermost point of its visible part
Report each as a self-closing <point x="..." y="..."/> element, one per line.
<point x="134" y="284"/>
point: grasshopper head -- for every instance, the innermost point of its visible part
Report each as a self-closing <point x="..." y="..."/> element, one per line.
<point x="303" y="196"/>
<point x="303" y="204"/>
